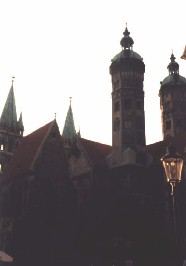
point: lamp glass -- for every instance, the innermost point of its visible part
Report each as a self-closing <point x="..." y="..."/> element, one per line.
<point x="173" y="169"/>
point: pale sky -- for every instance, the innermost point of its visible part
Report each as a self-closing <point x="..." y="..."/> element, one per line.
<point x="58" y="49"/>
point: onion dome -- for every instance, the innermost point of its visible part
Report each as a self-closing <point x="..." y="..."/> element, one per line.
<point x="174" y="77"/>
<point x="127" y="48"/>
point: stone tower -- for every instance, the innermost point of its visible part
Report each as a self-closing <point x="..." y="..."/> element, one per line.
<point x="173" y="101"/>
<point x="128" y="119"/>
<point x="11" y="130"/>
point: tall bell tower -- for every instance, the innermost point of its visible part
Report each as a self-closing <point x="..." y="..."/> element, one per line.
<point x="128" y="119"/>
<point x="173" y="101"/>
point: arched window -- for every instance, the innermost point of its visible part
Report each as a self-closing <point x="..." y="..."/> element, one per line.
<point x="116" y="106"/>
<point x="168" y="124"/>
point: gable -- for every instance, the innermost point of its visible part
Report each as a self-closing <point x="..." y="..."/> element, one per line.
<point x="50" y="161"/>
<point x="30" y="149"/>
<point x="78" y="162"/>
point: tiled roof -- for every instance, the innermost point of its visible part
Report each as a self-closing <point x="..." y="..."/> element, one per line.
<point x="26" y="152"/>
<point x="158" y="149"/>
<point x="96" y="152"/>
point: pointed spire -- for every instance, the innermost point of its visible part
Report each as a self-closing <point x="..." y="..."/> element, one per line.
<point x="9" y="116"/>
<point x="79" y="133"/>
<point x="69" y="131"/>
<point x="126" y="42"/>
<point x="20" y="123"/>
<point x="173" y="66"/>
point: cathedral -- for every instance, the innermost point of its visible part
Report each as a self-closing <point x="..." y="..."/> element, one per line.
<point x="69" y="201"/>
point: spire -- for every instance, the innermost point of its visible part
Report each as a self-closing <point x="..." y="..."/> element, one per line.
<point x="126" y="42"/>
<point x="20" y="123"/>
<point x="173" y="66"/>
<point x="69" y="131"/>
<point x="9" y="116"/>
<point x="79" y="133"/>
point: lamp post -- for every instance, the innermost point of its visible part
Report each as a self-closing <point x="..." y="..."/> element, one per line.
<point x="173" y="164"/>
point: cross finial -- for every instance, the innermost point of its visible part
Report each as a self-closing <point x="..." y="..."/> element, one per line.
<point x="55" y="116"/>
<point x="70" y="99"/>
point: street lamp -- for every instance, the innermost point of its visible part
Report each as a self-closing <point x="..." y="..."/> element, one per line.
<point x="173" y="164"/>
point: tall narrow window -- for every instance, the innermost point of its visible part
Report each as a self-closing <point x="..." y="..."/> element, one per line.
<point x="116" y="124"/>
<point x="2" y="147"/>
<point x="168" y="124"/>
<point x="116" y="106"/>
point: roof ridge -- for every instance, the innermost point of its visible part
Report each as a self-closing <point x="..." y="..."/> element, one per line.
<point x="96" y="142"/>
<point x="40" y="147"/>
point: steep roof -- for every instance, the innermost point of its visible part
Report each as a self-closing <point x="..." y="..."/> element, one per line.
<point x="158" y="149"/>
<point x="9" y="115"/>
<point x="27" y="152"/>
<point x="96" y="152"/>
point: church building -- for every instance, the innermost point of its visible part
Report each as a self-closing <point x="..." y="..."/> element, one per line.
<point x="69" y="201"/>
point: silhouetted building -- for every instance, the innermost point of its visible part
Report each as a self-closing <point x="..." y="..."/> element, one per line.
<point x="66" y="200"/>
<point x="173" y="101"/>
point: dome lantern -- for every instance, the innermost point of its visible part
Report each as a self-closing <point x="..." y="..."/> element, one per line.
<point x="173" y="66"/>
<point x="126" y="42"/>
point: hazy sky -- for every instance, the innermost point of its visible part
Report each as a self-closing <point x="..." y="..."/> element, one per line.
<point x="58" y="49"/>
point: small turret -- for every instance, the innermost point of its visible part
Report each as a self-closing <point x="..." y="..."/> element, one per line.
<point x="173" y="66"/>
<point x="20" y="124"/>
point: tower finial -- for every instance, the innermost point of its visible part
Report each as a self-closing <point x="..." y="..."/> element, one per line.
<point x="55" y="116"/>
<point x="13" y="80"/>
<point x="70" y="99"/>
<point x="126" y="42"/>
